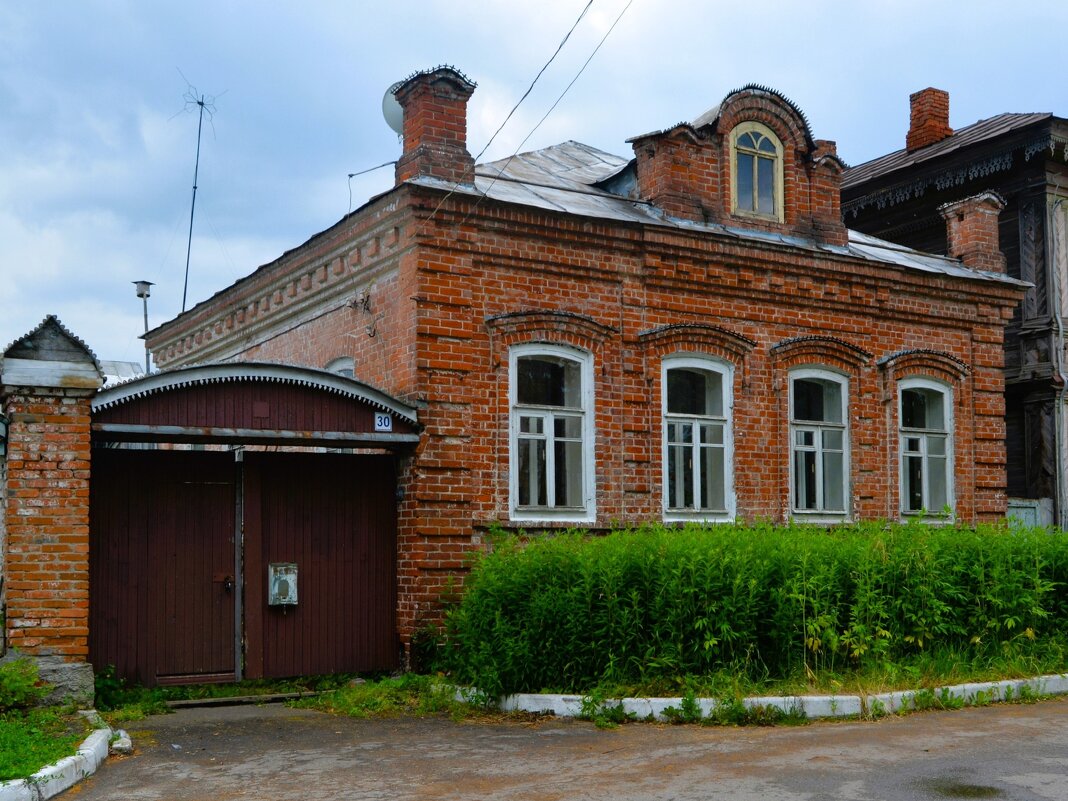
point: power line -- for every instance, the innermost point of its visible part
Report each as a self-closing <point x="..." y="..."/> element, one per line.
<point x="567" y="88"/>
<point x="516" y="106"/>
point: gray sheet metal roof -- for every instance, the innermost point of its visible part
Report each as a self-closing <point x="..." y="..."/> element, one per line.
<point x="560" y="179"/>
<point x="970" y="135"/>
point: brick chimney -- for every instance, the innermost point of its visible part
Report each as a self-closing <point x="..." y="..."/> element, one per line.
<point x="972" y="231"/>
<point x="929" y="118"/>
<point x="434" y="103"/>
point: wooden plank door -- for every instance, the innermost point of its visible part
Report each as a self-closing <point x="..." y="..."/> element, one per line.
<point x="334" y="516"/>
<point x="162" y="565"/>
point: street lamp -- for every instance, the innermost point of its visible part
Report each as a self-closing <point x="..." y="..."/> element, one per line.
<point x="143" y="289"/>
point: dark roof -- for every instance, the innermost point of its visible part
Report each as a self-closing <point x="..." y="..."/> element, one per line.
<point x="982" y="131"/>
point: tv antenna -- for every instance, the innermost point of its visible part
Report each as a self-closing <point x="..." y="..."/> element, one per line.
<point x="204" y="104"/>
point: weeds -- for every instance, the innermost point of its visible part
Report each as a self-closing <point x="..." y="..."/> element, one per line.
<point x="679" y="609"/>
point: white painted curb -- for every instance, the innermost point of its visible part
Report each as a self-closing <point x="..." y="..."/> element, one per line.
<point x="811" y="706"/>
<point x="54" y="779"/>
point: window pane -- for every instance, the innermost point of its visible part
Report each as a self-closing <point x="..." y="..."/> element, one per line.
<point x="805" y="480"/>
<point x="923" y="408"/>
<point x="713" y="489"/>
<point x="936" y="446"/>
<point x="805" y="439"/>
<point x="568" y="427"/>
<point x="549" y="381"/>
<point x="808" y="400"/>
<point x="832" y="439"/>
<point x="744" y="201"/>
<point x="912" y="445"/>
<point x="680" y="477"/>
<point x="532" y="473"/>
<point x="766" y="145"/>
<point x="568" y="483"/>
<point x="765" y="185"/>
<point x="712" y="434"/>
<point x="531" y="425"/>
<point x="694" y="392"/>
<point x="747" y="140"/>
<point x="937" y="484"/>
<point x="913" y="483"/>
<point x="833" y="481"/>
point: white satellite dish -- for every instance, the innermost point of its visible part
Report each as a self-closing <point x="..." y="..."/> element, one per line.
<point x="392" y="110"/>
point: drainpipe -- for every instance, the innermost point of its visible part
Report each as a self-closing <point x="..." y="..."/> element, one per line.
<point x="1055" y="249"/>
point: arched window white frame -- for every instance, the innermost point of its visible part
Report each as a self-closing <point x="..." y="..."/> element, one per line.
<point x="819" y="444"/>
<point x="550" y="394"/>
<point x="343" y="365"/>
<point x="756" y="172"/>
<point x="698" y="443"/>
<point x="925" y="422"/>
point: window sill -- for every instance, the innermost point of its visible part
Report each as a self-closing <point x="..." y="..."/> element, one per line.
<point x="671" y="516"/>
<point x="552" y="515"/>
<point x="820" y="518"/>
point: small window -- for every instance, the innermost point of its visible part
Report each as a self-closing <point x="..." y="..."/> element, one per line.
<point x="926" y="447"/>
<point x="551" y="453"/>
<point x="344" y="365"/>
<point x="756" y="172"/>
<point x="698" y="478"/>
<point x="819" y="443"/>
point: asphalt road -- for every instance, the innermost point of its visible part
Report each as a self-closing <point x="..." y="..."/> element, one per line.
<point x="271" y="752"/>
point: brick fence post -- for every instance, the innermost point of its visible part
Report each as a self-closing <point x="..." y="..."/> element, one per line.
<point x="47" y="381"/>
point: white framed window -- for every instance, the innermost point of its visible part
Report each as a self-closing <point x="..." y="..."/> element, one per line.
<point x="819" y="443"/>
<point x="343" y="365"/>
<point x="756" y="171"/>
<point x="925" y="417"/>
<point x="698" y="443"/>
<point x="551" y="400"/>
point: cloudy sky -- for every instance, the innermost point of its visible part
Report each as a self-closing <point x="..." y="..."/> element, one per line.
<point x="97" y="141"/>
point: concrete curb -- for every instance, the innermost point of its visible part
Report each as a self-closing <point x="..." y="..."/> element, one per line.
<point x="54" y="779"/>
<point x="810" y="706"/>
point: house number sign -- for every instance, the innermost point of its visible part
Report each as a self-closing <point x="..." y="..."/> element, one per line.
<point x="383" y="422"/>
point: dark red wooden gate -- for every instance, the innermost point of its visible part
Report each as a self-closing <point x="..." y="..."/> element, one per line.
<point x="334" y="516"/>
<point x="179" y="584"/>
<point x="162" y="565"/>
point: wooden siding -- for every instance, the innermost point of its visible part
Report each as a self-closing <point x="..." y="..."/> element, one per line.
<point x="160" y="550"/>
<point x="249" y="405"/>
<point x="334" y="515"/>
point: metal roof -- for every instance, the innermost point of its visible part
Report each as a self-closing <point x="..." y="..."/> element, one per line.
<point x="561" y="178"/>
<point x="978" y="132"/>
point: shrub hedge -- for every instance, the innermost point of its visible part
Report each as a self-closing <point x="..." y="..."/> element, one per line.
<point x="571" y="612"/>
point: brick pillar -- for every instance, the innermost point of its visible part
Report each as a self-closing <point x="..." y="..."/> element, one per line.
<point x="46" y="384"/>
<point x="928" y="118"/>
<point x="434" y="104"/>
<point x="972" y="231"/>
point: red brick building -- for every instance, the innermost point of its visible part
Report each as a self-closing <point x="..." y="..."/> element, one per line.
<point x="691" y="334"/>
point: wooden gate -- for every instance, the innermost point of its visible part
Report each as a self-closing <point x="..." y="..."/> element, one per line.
<point x="161" y="559"/>
<point x="181" y="541"/>
<point x="334" y="517"/>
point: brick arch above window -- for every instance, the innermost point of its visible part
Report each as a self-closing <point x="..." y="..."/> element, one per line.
<point x="546" y="327"/>
<point x="830" y="351"/>
<point x="921" y="361"/>
<point x="691" y="338"/>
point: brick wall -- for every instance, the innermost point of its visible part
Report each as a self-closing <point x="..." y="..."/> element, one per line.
<point x="47" y="521"/>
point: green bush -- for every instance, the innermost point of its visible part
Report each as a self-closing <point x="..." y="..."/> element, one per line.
<point x="20" y="685"/>
<point x="651" y="606"/>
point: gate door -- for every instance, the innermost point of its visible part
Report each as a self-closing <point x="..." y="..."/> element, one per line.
<point x="162" y="565"/>
<point x="333" y="516"/>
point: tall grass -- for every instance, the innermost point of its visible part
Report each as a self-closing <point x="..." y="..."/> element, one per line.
<point x="651" y="606"/>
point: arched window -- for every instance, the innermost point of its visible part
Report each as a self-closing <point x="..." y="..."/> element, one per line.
<point x="343" y="365"/>
<point x="756" y="172"/>
<point x="698" y="458"/>
<point x="551" y="399"/>
<point x="819" y="443"/>
<point x="925" y="417"/>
